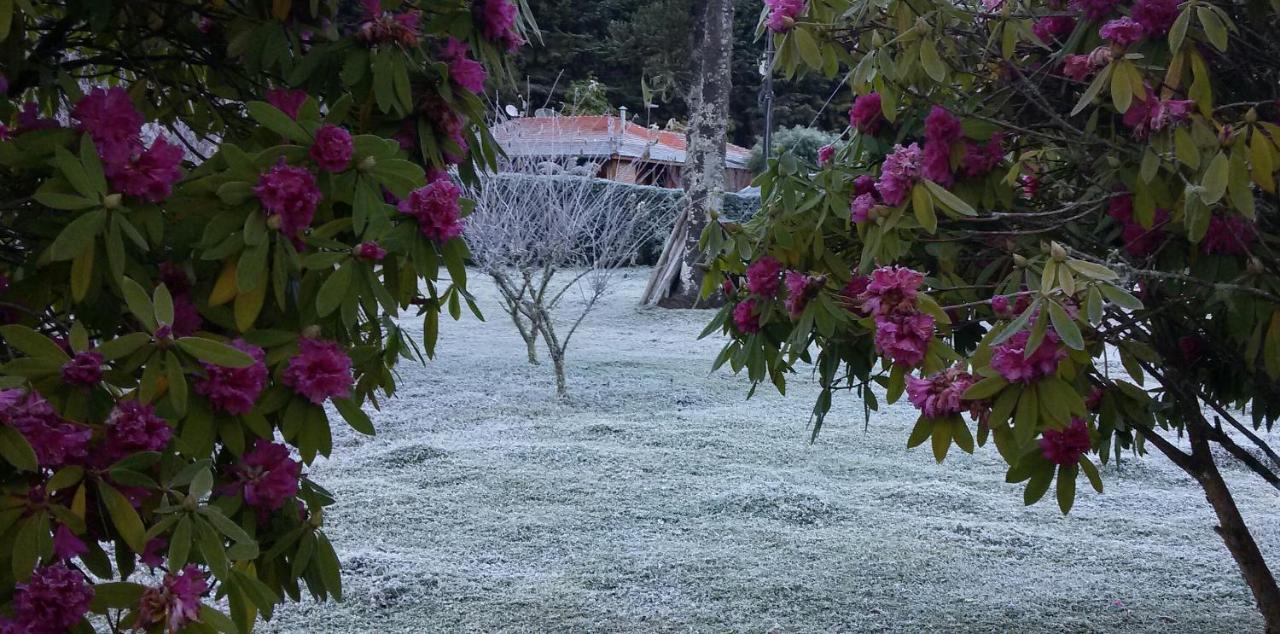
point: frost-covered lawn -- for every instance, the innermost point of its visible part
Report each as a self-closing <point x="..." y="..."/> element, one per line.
<point x="659" y="499"/>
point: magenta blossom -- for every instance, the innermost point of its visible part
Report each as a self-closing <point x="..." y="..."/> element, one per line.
<point x="864" y="184"/>
<point x="1155" y="16"/>
<point x="1002" y="307"/>
<point x="110" y="119"/>
<point x="940" y="395"/>
<point x="892" y="289"/>
<point x="498" y="23"/>
<point x="866" y="115"/>
<point x="268" y="475"/>
<point x="904" y="337"/>
<point x="84" y="369"/>
<point x="1122" y="32"/>
<point x="320" y="370"/>
<point x="980" y="159"/>
<point x="235" y="390"/>
<point x="860" y="210"/>
<point x="783" y="14"/>
<point x="1053" y="27"/>
<point x="1228" y="235"/>
<point x="175" y="602"/>
<point x="746" y="316"/>
<point x="899" y="174"/>
<point x="1011" y="361"/>
<point x="464" y="71"/>
<point x="51" y="602"/>
<point x="290" y="196"/>
<point x="403" y="28"/>
<point x="30" y="119"/>
<point x="186" y="317"/>
<point x="133" y="427"/>
<point x="153" y="555"/>
<point x="801" y="289"/>
<point x="66" y="546"/>
<point x="55" y="441"/>
<point x="332" y="149"/>
<point x="437" y="208"/>
<point x="1094" y="9"/>
<point x="764" y="277"/>
<point x="1065" y="447"/>
<point x="853" y="291"/>
<point x="148" y="174"/>
<point x="287" y="101"/>
<point x="1153" y="114"/>
<point x="825" y="154"/>
<point x="941" y="129"/>
<point x="370" y="252"/>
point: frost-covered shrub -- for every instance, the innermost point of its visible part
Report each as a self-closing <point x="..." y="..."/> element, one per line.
<point x="200" y="256"/>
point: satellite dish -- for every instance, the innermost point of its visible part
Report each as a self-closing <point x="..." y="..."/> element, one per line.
<point x="511" y="111"/>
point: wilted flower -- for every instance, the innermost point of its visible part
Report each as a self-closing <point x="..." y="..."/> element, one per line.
<point x="287" y="101"/>
<point x="1155" y="16"/>
<point x="1122" y="32"/>
<point x="941" y="129"/>
<point x="370" y="252"/>
<point x="939" y="396"/>
<point x="498" y="23"/>
<point x="1094" y="9"/>
<point x="860" y="211"/>
<point x="825" y="154"/>
<point x="108" y="116"/>
<point x="54" y="440"/>
<point x="1011" y="361"/>
<point x="1228" y="235"/>
<point x="745" y="316"/>
<point x="800" y="289"/>
<point x="464" y="71"/>
<point x="1053" y="27"/>
<point x="892" y="289"/>
<point x="783" y="14"/>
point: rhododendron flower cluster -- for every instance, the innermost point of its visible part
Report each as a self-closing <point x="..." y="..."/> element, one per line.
<point x="175" y="602"/>
<point x="370" y="252"/>
<point x="132" y="427"/>
<point x="746" y="316"/>
<point x="764" y="277"/>
<point x="899" y="174"/>
<point x="84" y="369"/>
<point x="66" y="546"/>
<point x="55" y="441"/>
<point x="267" y="475"/>
<point x="860" y="210"/>
<point x="446" y="123"/>
<point x="1122" y="32"/>
<point x="941" y="129"/>
<point x="290" y="196"/>
<point x="498" y="23"/>
<point x="1153" y="114"/>
<point x="1094" y="9"/>
<point x="940" y="395"/>
<point x="1053" y="27"/>
<point x="464" y="71"/>
<point x="1155" y="16"/>
<point x="235" y="390"/>
<point x="1081" y="67"/>
<point x="1228" y="235"/>
<point x="866" y="115"/>
<point x="1065" y="447"/>
<point x="110" y="119"/>
<point x="1137" y="240"/>
<point x="437" y="208"/>
<point x="783" y="14"/>
<point x="1012" y="362"/>
<point x="287" y="101"/>
<point x="904" y="337"/>
<point x="381" y="27"/>
<point x="51" y="602"/>
<point x="319" y="371"/>
<point x="981" y="158"/>
<point x="801" y="289"/>
<point x="892" y="289"/>
<point x="332" y="148"/>
<point x="825" y="154"/>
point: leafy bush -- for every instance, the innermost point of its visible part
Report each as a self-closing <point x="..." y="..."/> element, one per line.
<point x="206" y="234"/>
<point x="1034" y="189"/>
<point x="801" y="142"/>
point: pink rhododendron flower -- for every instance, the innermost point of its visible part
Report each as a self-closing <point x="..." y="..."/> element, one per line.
<point x="745" y="316"/>
<point x="1053" y="27"/>
<point x="1153" y="114"/>
<point x="892" y="289"/>
<point x="864" y="184"/>
<point x="55" y="441"/>
<point x="764" y="277"/>
<point x="436" y="208"/>
<point x="290" y="196"/>
<point x="904" y="337"/>
<point x="1094" y="400"/>
<point x="866" y="116"/>
<point x="379" y="27"/>
<point x="155" y="552"/>
<point x="939" y="396"/>
<point x="853" y="291"/>
<point x="1228" y="235"/>
<point x="1065" y="447"/>
<point x="899" y="174"/>
<point x="1094" y="9"/>
<point x="84" y="369"/>
<point x="287" y="101"/>
<point x="52" y="601"/>
<point x="186" y="317"/>
<point x="332" y="149"/>
<point x="268" y="475"/>
<point x="1155" y="16"/>
<point x="175" y="602"/>
<point x="148" y="174"/>
<point x="66" y="546"/>
<point x="1077" y="67"/>
<point x="860" y="211"/>
<point x="108" y="116"/>
<point x="981" y="158"/>
<point x="825" y="154"/>
<point x="1002" y="307"/>
<point x="783" y="14"/>
<point x="1011" y="361"/>
<point x="1122" y="32"/>
<point x="464" y="71"/>
<point x="235" y="390"/>
<point x="370" y="252"/>
<point x="30" y="119"/>
<point x="498" y="23"/>
<point x="941" y="129"/>
<point x="133" y="427"/>
<point x="448" y="125"/>
<point x="1138" y="240"/>
<point x="320" y="370"/>
<point x="801" y="289"/>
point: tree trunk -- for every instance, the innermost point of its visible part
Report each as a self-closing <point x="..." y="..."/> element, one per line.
<point x="1232" y="528"/>
<point x="704" y="169"/>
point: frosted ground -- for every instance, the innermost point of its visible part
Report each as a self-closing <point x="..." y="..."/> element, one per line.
<point x="657" y="498"/>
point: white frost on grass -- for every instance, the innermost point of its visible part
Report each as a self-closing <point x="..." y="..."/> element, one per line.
<point x="657" y="498"/>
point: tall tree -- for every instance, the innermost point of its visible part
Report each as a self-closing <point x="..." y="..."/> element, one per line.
<point x="677" y="280"/>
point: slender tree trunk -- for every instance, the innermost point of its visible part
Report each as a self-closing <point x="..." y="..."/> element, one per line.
<point x="511" y="304"/>
<point x="1232" y="528"/>
<point x="704" y="170"/>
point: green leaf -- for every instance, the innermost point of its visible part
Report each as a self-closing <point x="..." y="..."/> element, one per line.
<point x="1121" y="88"/>
<point x="180" y="543"/>
<point x="217" y="620"/>
<point x="808" y="47"/>
<point x="355" y="416"/>
<point x="941" y="438"/>
<point x="922" y="205"/>
<point x="1121" y="297"/>
<point x="334" y="290"/>
<point x="1092" y="91"/>
<point x="124" y="517"/>
<point x="274" y="119"/>
<point x="32" y="343"/>
<point x="1038" y="485"/>
<point x="1091" y="472"/>
<point x="327" y="560"/>
<point x="92" y="166"/>
<point x="1179" y="31"/>
<point x="217" y="353"/>
<point x="177" y="382"/>
<point x="1091" y="270"/>
<point x="1214" y="184"/>
<point x="123" y="346"/>
<point x="1213" y="27"/>
<point x="139" y="303"/>
<point x="115" y="595"/>
<point x="932" y="63"/>
<point x="949" y="200"/>
<point x="163" y="302"/>
<point x="1067" y="487"/>
<point x="77" y="235"/>
<point x="75" y="174"/>
<point x="985" y="389"/>
<point x="1066" y="327"/>
<point x="15" y="449"/>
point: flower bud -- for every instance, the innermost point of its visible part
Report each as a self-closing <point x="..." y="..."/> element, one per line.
<point x="1226" y="136"/>
<point x="274" y="221"/>
<point x="311" y="332"/>
<point x="1058" y="252"/>
<point x="1251" y="116"/>
<point x="1019" y="261"/>
<point x="1255" y="266"/>
<point x="367" y="164"/>
<point x="112" y="201"/>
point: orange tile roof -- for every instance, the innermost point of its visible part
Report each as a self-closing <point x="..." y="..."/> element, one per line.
<point x="599" y="136"/>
